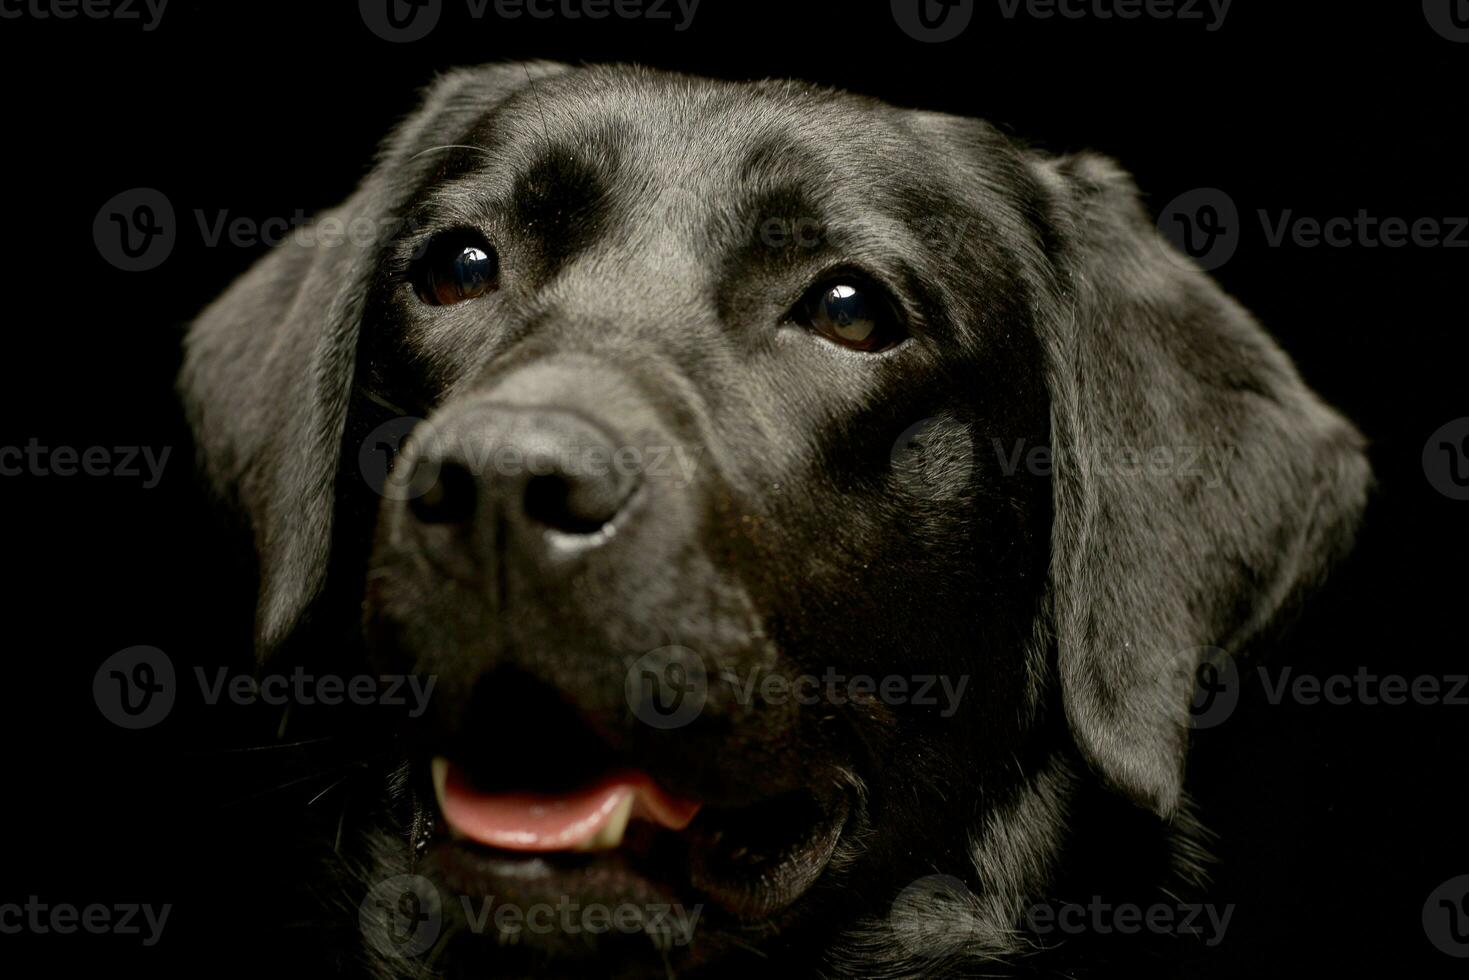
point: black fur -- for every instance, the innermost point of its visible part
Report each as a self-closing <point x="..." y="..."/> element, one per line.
<point x="642" y="221"/>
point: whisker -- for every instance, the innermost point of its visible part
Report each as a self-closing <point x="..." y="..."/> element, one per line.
<point x="450" y="146"/>
<point x="381" y="400"/>
<point x="268" y="747"/>
<point x="530" y="86"/>
<point x="329" y="789"/>
<point x="309" y="777"/>
<point x="748" y="946"/>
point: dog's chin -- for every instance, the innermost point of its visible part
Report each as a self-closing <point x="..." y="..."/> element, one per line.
<point x="669" y="894"/>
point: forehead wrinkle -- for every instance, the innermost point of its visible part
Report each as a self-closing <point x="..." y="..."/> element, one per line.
<point x="684" y="144"/>
<point x="867" y="189"/>
<point x="468" y="200"/>
<point x="466" y="165"/>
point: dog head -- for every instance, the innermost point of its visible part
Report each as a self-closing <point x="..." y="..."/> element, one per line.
<point x="791" y="486"/>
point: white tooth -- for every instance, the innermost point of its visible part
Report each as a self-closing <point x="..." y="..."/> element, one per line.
<point x="440" y="770"/>
<point x="610" y="835"/>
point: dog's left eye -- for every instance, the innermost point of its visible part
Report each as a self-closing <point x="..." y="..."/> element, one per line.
<point x="456" y="266"/>
<point x="851" y="313"/>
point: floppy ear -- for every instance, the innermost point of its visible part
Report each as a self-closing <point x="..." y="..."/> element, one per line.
<point x="1246" y="486"/>
<point x="269" y="366"/>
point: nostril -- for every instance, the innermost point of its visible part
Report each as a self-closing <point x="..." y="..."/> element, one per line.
<point x="572" y="504"/>
<point x="450" y="499"/>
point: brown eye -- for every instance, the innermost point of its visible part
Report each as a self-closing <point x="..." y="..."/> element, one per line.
<point x="852" y="314"/>
<point x="456" y="266"/>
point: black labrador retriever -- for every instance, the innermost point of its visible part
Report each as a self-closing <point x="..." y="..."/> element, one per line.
<point x="817" y="517"/>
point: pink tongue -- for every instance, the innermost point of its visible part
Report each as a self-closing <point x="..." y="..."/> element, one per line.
<point x="555" y="822"/>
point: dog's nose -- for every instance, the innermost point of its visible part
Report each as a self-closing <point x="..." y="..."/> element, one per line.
<point x="522" y="470"/>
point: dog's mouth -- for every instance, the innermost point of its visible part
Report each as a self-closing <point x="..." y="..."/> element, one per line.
<point x="621" y="838"/>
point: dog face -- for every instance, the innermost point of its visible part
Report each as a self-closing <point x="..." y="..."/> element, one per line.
<point x="806" y="496"/>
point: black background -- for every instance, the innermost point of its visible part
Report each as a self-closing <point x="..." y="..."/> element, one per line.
<point x="1336" y="822"/>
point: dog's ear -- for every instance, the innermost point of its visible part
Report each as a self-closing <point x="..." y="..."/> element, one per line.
<point x="269" y="366"/>
<point x="1198" y="483"/>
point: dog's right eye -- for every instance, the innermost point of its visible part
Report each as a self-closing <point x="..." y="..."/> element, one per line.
<point x="456" y="266"/>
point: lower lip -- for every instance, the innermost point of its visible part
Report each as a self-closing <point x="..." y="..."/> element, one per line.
<point x="470" y="872"/>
